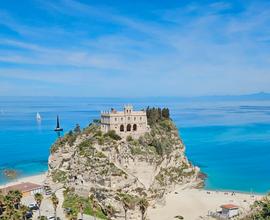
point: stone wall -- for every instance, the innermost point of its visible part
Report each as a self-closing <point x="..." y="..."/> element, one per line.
<point x="127" y="122"/>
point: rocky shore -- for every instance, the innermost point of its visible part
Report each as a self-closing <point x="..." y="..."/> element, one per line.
<point x="110" y="168"/>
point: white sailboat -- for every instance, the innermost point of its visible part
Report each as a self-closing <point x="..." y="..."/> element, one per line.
<point x="38" y="117"/>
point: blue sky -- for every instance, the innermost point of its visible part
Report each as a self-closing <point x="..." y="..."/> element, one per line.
<point x="134" y="48"/>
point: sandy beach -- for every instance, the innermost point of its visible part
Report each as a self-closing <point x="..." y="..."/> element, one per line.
<point x="194" y="204"/>
<point x="185" y="201"/>
<point x="38" y="179"/>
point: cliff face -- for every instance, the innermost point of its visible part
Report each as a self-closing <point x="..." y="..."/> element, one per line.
<point x="109" y="167"/>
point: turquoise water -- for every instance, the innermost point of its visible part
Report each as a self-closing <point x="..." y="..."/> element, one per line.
<point x="229" y="140"/>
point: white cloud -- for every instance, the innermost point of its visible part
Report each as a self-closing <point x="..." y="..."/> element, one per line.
<point x="180" y="53"/>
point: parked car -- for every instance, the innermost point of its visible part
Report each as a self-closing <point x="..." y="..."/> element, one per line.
<point x="48" y="193"/>
<point x="68" y="210"/>
<point x="28" y="215"/>
<point x="33" y="206"/>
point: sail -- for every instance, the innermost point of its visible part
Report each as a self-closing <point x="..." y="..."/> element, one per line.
<point x="57" y="123"/>
<point x="38" y="117"/>
<point x="58" y="128"/>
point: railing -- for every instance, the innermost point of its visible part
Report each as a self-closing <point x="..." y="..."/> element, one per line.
<point x="218" y="215"/>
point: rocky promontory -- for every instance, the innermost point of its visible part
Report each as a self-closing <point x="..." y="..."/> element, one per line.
<point x="117" y="174"/>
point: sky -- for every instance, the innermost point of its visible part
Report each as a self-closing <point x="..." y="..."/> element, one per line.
<point x="119" y="48"/>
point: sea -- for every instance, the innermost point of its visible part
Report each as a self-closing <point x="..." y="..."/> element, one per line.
<point x="228" y="139"/>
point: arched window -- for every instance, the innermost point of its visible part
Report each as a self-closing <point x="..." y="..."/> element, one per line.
<point x="129" y="127"/>
<point x="134" y="127"/>
<point x="122" y="128"/>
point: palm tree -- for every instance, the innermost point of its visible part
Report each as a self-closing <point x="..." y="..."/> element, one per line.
<point x="38" y="198"/>
<point x="73" y="216"/>
<point x="81" y="207"/>
<point x="143" y="205"/>
<point x="110" y="211"/>
<point x="55" y="203"/>
<point x="126" y="201"/>
<point x="24" y="209"/>
<point x="10" y="206"/>
<point x="94" y="205"/>
<point x="2" y="200"/>
<point x="15" y="196"/>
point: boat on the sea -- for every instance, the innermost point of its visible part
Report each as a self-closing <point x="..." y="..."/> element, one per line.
<point x="58" y="128"/>
<point x="38" y="117"/>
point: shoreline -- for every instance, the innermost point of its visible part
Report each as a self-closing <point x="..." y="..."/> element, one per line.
<point x="184" y="200"/>
<point x="194" y="203"/>
<point x="37" y="178"/>
<point x="40" y="178"/>
<point x="235" y="191"/>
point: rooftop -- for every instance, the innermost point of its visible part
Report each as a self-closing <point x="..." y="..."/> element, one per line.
<point x="229" y="206"/>
<point x="23" y="187"/>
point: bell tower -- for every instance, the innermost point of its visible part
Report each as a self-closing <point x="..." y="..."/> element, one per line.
<point x="128" y="109"/>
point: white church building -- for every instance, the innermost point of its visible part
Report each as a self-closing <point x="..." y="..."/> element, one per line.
<point x="126" y="122"/>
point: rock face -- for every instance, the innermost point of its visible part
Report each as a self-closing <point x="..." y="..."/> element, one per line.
<point x="111" y="168"/>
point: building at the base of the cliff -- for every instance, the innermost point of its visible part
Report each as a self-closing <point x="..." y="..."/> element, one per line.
<point x="126" y="122"/>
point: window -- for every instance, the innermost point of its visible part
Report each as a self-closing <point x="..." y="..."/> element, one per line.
<point x="129" y="127"/>
<point x="122" y="128"/>
<point x="134" y="127"/>
<point x="134" y="118"/>
<point x="128" y="118"/>
<point x="115" y="119"/>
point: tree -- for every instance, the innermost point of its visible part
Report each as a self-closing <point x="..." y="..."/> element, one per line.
<point x="77" y="129"/>
<point x="2" y="199"/>
<point x="11" y="205"/>
<point x="94" y="205"/>
<point x="15" y="197"/>
<point x="38" y="198"/>
<point x="110" y="211"/>
<point x="55" y="202"/>
<point x="143" y="205"/>
<point x="166" y="113"/>
<point x="126" y="201"/>
<point x="81" y="207"/>
<point x="24" y="209"/>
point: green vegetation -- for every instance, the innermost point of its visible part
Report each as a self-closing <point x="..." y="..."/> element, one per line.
<point x="55" y="202"/>
<point x="129" y="138"/>
<point x="143" y="205"/>
<point x="161" y="137"/>
<point x="77" y="129"/>
<point x="115" y="171"/>
<point x="75" y="202"/>
<point x="86" y="148"/>
<point x="113" y="135"/>
<point x="260" y="210"/>
<point x="69" y="138"/>
<point x="59" y="176"/>
<point x="156" y="114"/>
<point x="10" y="206"/>
<point x="172" y="175"/>
<point x="131" y="201"/>
<point x="128" y="202"/>
<point x="38" y="198"/>
<point x="96" y="121"/>
<point x="137" y="150"/>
